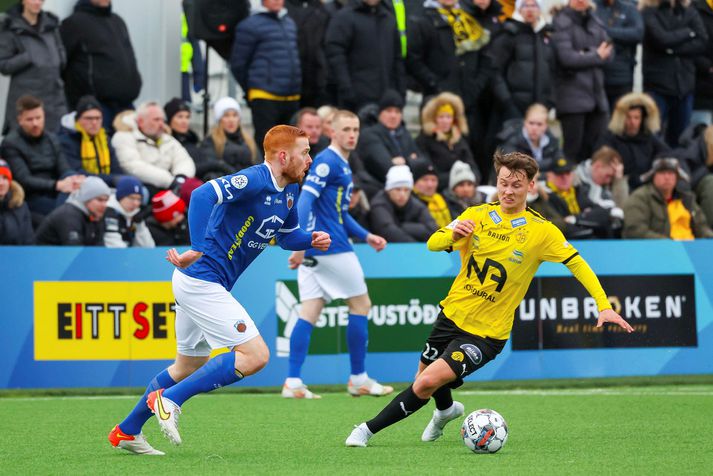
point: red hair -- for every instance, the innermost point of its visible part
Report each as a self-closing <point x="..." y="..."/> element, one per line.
<point x="281" y="138"/>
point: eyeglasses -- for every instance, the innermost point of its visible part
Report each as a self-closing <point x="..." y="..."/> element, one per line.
<point x="91" y="118"/>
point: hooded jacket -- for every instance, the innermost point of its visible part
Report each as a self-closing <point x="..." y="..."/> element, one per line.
<point x="15" y="218"/>
<point x="34" y="58"/>
<point x="124" y="229"/>
<point x="100" y="57"/>
<point x="71" y="224"/>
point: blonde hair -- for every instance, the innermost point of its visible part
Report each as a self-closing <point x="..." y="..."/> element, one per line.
<point x="534" y="108"/>
<point x="217" y="133"/>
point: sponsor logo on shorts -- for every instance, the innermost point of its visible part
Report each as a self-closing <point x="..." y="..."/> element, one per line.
<point x="240" y="326"/>
<point x="473" y="352"/>
<point x="457" y="356"/>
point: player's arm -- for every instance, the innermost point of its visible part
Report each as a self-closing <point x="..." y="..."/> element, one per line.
<point x="445" y="238"/>
<point x="203" y="199"/>
<point x="293" y="237"/>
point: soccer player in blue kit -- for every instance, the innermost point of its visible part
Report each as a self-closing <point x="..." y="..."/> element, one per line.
<point x="324" y="275"/>
<point x="232" y="219"/>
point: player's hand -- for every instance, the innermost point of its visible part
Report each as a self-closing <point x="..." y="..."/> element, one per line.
<point x="183" y="260"/>
<point x="463" y="229"/>
<point x="321" y="240"/>
<point x="295" y="259"/>
<point x="375" y="241"/>
<point x="608" y="315"/>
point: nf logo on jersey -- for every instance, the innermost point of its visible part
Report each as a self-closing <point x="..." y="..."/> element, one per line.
<point x="473" y="352"/>
<point x="269" y="227"/>
<point x="495" y="217"/>
<point x="290" y="201"/>
<point x="481" y="274"/>
<point x="239" y="181"/>
<point x="518" y="222"/>
<point x="322" y="170"/>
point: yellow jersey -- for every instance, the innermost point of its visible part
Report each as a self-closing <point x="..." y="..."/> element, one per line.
<point x="499" y="260"/>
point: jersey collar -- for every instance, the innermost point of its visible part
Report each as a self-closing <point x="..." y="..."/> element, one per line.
<point x="339" y="154"/>
<point x="272" y="176"/>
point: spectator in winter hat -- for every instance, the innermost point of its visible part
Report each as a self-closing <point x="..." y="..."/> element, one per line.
<point x="398" y="216"/>
<point x="79" y="221"/>
<point x="15" y="218"/>
<point x="178" y="118"/>
<point x="227" y="148"/>
<point x="425" y="188"/>
<point x="462" y="189"/>
<point x="168" y="224"/>
<point x="124" y="224"/>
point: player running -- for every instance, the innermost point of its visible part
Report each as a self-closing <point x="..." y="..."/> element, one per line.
<point x="501" y="245"/>
<point x="232" y="219"/>
<point x="335" y="273"/>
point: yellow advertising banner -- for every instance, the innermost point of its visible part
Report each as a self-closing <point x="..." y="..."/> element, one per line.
<point x="104" y="321"/>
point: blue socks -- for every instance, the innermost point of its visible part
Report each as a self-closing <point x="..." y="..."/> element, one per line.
<point x="357" y="340"/>
<point x="299" y="345"/>
<point x="217" y="372"/>
<point x="141" y="413"/>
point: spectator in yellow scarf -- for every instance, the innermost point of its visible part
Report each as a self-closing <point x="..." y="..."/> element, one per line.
<point x="425" y="188"/>
<point x="85" y="143"/>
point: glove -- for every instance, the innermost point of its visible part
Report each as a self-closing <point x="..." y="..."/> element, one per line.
<point x="617" y="213"/>
<point x="177" y="183"/>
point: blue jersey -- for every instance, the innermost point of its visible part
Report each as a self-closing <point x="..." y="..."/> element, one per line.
<point x="240" y="214"/>
<point x="324" y="203"/>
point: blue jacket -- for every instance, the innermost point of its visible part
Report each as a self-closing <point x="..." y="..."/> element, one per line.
<point x="265" y="54"/>
<point x="624" y="26"/>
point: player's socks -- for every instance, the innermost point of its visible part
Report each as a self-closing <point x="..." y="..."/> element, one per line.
<point x="357" y="339"/>
<point x="359" y="379"/>
<point x="141" y="413"/>
<point x="217" y="372"/>
<point x="299" y="345"/>
<point x="443" y="398"/>
<point x="403" y="405"/>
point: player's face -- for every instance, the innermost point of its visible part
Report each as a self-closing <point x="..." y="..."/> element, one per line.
<point x="513" y="188"/>
<point x="298" y="161"/>
<point x="346" y="133"/>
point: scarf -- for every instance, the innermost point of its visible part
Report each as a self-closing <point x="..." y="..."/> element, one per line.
<point x="569" y="196"/>
<point x="437" y="207"/>
<point x="468" y="35"/>
<point x="94" y="152"/>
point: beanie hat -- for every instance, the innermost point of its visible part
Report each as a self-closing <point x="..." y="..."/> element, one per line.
<point x="460" y="172"/>
<point x="446" y="108"/>
<point x="91" y="188"/>
<point x="421" y="169"/>
<point x="173" y="107"/>
<point x="166" y="205"/>
<point x="398" y="176"/>
<point x="127" y="185"/>
<point x="519" y="3"/>
<point x="86" y="103"/>
<point x="225" y="104"/>
<point x="391" y="98"/>
<point x="5" y="170"/>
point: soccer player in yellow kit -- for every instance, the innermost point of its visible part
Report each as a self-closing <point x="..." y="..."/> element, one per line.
<point x="501" y="245"/>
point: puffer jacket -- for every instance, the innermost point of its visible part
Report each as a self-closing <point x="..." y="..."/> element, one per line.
<point x="625" y="27"/>
<point x="15" y="218"/>
<point x="512" y="139"/>
<point x="71" y="224"/>
<point x="34" y="59"/>
<point x="411" y="223"/>
<point x="646" y="214"/>
<point x="236" y="156"/>
<point x="124" y="229"/>
<point x="155" y="163"/>
<point x="704" y="62"/>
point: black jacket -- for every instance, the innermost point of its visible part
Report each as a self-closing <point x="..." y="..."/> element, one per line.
<point x="190" y="142"/>
<point x="236" y="156"/>
<point x="70" y="141"/>
<point x="693" y="154"/>
<point x="100" y="58"/>
<point x="673" y="38"/>
<point x="70" y="225"/>
<point x="704" y="61"/>
<point x="412" y="223"/>
<point x="637" y="152"/>
<point x="15" y="218"/>
<point x="178" y="236"/>
<point x="433" y="62"/>
<point x="625" y="27"/>
<point x="443" y="156"/>
<point x="526" y="66"/>
<point x="376" y="149"/>
<point x="36" y="163"/>
<point x="488" y="18"/>
<point x="513" y="140"/>
<point x="364" y="54"/>
<point x="311" y="18"/>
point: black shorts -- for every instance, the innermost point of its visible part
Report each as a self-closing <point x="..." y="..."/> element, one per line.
<point x="463" y="352"/>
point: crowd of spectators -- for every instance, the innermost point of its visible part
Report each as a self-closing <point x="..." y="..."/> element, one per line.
<point x="82" y="164"/>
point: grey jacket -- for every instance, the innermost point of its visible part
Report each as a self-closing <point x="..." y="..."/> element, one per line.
<point x="33" y="57"/>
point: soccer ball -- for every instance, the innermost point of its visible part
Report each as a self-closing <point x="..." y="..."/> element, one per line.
<point x="484" y="431"/>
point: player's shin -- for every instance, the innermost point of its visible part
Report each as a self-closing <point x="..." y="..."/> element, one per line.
<point x="299" y="345"/>
<point x="403" y="405"/>
<point x="217" y="372"/>
<point x="357" y="339"/>
<point x="443" y="398"/>
<point x="141" y="413"/>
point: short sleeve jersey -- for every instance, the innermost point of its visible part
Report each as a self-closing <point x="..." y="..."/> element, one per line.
<point x="499" y="260"/>
<point x="330" y="180"/>
<point x="251" y="210"/>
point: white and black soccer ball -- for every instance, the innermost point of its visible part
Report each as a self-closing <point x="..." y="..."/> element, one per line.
<point x="484" y="431"/>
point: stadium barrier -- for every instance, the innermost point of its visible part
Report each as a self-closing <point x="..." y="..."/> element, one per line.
<point x="94" y="317"/>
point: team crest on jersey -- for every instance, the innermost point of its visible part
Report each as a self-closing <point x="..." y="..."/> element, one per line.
<point x="495" y="217"/>
<point x="290" y="201"/>
<point x="473" y="352"/>
<point x="521" y="237"/>
<point x="518" y="222"/>
<point x="240" y="326"/>
<point x="239" y="181"/>
<point x="322" y="170"/>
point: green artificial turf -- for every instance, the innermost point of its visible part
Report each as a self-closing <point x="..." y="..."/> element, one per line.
<point x="653" y="429"/>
